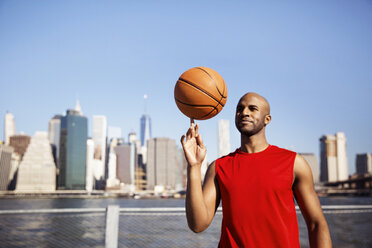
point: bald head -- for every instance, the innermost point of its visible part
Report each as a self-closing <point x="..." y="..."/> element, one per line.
<point x="264" y="104"/>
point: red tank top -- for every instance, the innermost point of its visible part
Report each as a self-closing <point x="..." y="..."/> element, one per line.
<point x="257" y="199"/>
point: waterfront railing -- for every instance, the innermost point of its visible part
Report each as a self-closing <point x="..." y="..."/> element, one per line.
<point x="144" y="227"/>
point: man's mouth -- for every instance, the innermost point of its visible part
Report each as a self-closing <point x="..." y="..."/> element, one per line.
<point x="245" y="121"/>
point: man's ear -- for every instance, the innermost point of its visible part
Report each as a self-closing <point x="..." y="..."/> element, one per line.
<point x="267" y="119"/>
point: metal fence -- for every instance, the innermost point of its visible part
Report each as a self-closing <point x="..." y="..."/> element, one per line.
<point x="151" y="227"/>
<point x="96" y="227"/>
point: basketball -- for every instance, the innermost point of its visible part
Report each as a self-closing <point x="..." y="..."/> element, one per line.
<point x="200" y="93"/>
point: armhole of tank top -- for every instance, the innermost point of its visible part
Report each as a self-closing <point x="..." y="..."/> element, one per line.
<point x="216" y="167"/>
<point x="294" y="155"/>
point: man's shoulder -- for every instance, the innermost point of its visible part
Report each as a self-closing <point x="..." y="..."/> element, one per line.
<point x="224" y="161"/>
<point x="278" y="149"/>
<point x="228" y="156"/>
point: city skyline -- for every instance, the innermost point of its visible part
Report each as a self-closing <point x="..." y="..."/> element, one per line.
<point x="351" y="169"/>
<point x="162" y="155"/>
<point x="310" y="60"/>
<point x="223" y="130"/>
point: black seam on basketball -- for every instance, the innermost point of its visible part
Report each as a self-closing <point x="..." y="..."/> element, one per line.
<point x="224" y="87"/>
<point x="208" y="114"/>
<point x="195" y="86"/>
<point x="221" y="102"/>
<point x="222" y="96"/>
<point x="187" y="104"/>
<point x="192" y="105"/>
<point x="214" y="81"/>
<point x="196" y="105"/>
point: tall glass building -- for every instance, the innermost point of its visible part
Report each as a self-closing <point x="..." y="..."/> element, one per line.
<point x="72" y="151"/>
<point x="145" y="129"/>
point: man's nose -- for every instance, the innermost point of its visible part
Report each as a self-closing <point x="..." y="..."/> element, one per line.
<point x="246" y="112"/>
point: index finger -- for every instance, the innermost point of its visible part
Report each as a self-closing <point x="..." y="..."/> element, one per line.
<point x="192" y="121"/>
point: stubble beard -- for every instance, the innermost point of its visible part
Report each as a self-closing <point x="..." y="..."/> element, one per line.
<point x="256" y="128"/>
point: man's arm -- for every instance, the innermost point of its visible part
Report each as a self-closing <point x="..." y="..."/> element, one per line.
<point x="201" y="202"/>
<point x="308" y="201"/>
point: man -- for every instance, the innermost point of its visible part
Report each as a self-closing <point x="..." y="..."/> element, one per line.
<point x="256" y="184"/>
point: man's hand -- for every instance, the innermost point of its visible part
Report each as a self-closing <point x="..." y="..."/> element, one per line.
<point x="193" y="146"/>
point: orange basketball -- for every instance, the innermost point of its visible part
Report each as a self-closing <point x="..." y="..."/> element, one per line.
<point x="200" y="93"/>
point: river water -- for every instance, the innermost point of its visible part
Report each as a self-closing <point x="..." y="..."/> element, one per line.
<point x="349" y="227"/>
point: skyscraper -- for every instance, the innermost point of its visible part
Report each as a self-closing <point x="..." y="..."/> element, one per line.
<point x="364" y="163"/>
<point x="78" y="107"/>
<point x="115" y="139"/>
<point x="132" y="137"/>
<point x="182" y="167"/>
<point x="145" y="129"/>
<point x="223" y="137"/>
<point x="54" y="130"/>
<point x="112" y="179"/>
<point x="333" y="159"/>
<point x="5" y="165"/>
<point x="140" y="165"/>
<point x="99" y="139"/>
<point x="73" y="151"/>
<point x="9" y="127"/>
<point x="125" y="163"/>
<point x="37" y="171"/>
<point x="161" y="166"/>
<point x="89" y="166"/>
<point x="342" y="167"/>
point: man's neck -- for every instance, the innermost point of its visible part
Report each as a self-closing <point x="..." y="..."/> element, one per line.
<point x="254" y="143"/>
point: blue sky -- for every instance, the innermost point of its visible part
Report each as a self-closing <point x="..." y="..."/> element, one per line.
<point x="311" y="59"/>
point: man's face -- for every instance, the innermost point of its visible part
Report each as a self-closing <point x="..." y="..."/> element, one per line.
<point x="252" y="114"/>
